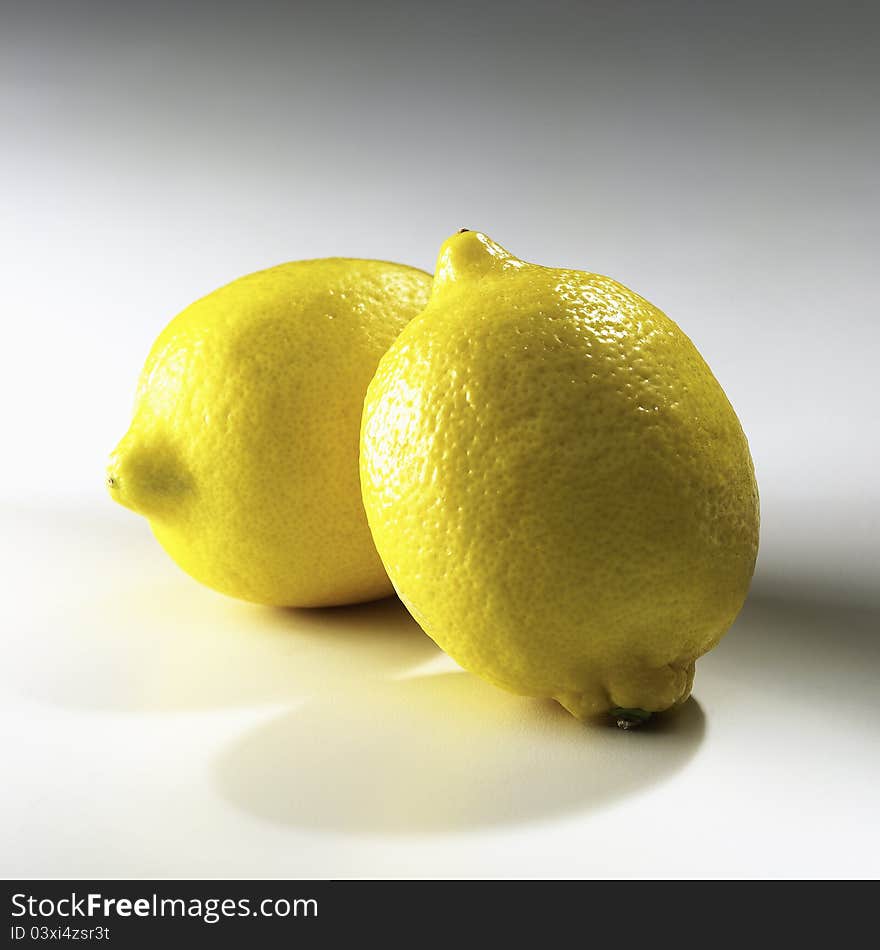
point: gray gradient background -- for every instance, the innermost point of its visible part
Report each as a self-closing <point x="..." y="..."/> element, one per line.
<point x="721" y="159"/>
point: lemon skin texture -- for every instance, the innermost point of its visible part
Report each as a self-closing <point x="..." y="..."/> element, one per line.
<point x="243" y="448"/>
<point x="560" y="491"/>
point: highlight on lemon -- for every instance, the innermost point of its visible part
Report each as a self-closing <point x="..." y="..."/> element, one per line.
<point x="243" y="449"/>
<point x="557" y="485"/>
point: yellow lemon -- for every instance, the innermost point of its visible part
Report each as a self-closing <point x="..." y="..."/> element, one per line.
<point x="243" y="449"/>
<point x="559" y="489"/>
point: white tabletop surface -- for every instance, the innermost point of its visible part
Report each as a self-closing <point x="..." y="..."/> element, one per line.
<point x="152" y="728"/>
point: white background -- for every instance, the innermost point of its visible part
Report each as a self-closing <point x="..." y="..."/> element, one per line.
<point x="725" y="168"/>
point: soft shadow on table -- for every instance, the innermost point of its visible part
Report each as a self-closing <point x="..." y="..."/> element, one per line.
<point x="121" y="628"/>
<point x="436" y="753"/>
<point x="179" y="647"/>
<point x="440" y="753"/>
<point x="818" y="650"/>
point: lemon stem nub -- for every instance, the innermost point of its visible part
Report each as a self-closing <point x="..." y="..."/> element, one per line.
<point x="630" y="718"/>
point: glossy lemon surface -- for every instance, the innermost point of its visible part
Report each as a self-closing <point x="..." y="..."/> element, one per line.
<point x="243" y="449"/>
<point x="559" y="488"/>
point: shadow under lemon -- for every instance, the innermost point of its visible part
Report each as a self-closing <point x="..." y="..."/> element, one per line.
<point x="126" y="630"/>
<point x="442" y="752"/>
<point x="448" y="751"/>
<point x="360" y="747"/>
<point x="199" y="656"/>
<point x="796" y="655"/>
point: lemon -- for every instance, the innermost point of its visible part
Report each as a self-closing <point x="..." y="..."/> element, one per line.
<point x="557" y="485"/>
<point x="243" y="449"/>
